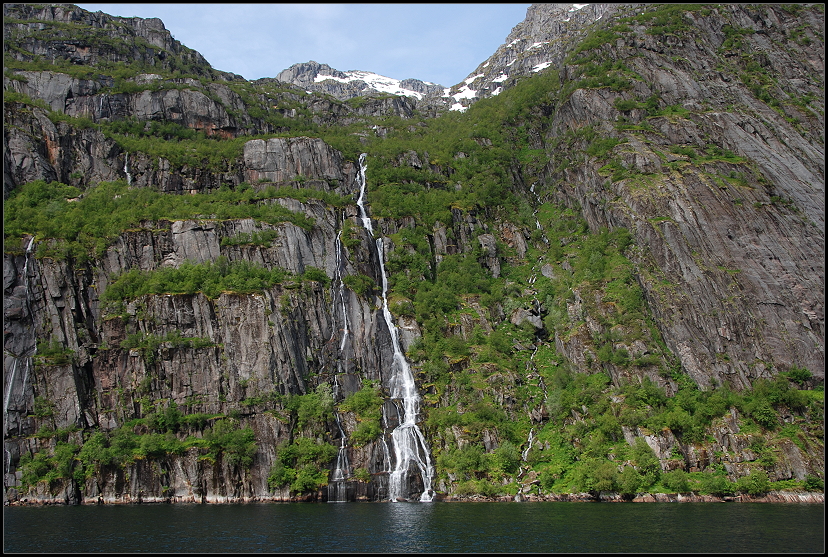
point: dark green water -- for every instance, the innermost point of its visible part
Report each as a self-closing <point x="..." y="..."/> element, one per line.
<point x="419" y="527"/>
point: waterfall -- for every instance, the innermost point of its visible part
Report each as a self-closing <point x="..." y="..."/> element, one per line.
<point x="337" y="487"/>
<point x="339" y="289"/>
<point x="9" y="391"/>
<point x="408" y="441"/>
<point x="528" y="448"/>
<point x="535" y="214"/>
<point x="10" y="387"/>
<point x="13" y="388"/>
<point x="126" y="169"/>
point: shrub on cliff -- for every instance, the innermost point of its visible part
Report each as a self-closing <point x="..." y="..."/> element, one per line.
<point x="236" y="445"/>
<point x="302" y="465"/>
<point x="755" y="483"/>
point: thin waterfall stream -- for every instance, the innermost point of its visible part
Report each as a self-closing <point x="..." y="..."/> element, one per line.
<point x="126" y="169"/>
<point x="338" y="485"/>
<point x="339" y="290"/>
<point x="15" y="390"/>
<point x="408" y="441"/>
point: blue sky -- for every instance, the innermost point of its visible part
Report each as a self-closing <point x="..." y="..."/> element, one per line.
<point x="441" y="43"/>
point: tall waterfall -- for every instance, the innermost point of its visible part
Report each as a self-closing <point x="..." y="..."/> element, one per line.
<point x="338" y="484"/>
<point x="126" y="169"/>
<point x="11" y="387"/>
<point x="337" y="487"/>
<point x="339" y="290"/>
<point x="408" y="441"/>
<point x="16" y="381"/>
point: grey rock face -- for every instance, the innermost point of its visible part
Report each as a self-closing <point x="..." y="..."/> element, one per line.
<point x="706" y="237"/>
<point x="150" y="42"/>
<point x="313" y="76"/>
<point x="730" y="255"/>
<point x="286" y="159"/>
<point x="541" y="40"/>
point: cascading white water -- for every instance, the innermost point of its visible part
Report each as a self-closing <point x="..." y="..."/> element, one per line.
<point x="339" y="288"/>
<point x="409" y="442"/>
<point x="10" y="387"/>
<point x="528" y="448"/>
<point x="535" y="214"/>
<point x="15" y="389"/>
<point x="8" y="390"/>
<point x="337" y="488"/>
<point x="126" y="169"/>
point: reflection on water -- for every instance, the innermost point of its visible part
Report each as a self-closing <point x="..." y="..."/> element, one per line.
<point x="419" y="527"/>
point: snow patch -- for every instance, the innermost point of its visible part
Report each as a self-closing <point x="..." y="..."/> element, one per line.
<point x="470" y="79"/>
<point x="501" y="77"/>
<point x="497" y="91"/>
<point x="458" y="107"/>
<point x="374" y="81"/>
<point x="465" y="92"/>
<point x="541" y="66"/>
<point x="576" y="7"/>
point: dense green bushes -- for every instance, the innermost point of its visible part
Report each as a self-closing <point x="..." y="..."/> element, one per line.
<point x="367" y="405"/>
<point x="302" y="465"/>
<point x="86" y="225"/>
<point x="582" y="449"/>
<point x="214" y="436"/>
<point x="210" y="278"/>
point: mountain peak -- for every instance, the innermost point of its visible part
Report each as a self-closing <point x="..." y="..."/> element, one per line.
<point x="317" y="77"/>
<point x="539" y="41"/>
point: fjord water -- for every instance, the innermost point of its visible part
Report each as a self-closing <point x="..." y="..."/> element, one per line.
<point x="419" y="527"/>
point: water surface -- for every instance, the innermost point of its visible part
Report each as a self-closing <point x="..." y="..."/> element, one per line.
<point x="418" y="527"/>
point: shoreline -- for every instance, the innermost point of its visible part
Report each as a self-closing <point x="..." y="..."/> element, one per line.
<point x="799" y="497"/>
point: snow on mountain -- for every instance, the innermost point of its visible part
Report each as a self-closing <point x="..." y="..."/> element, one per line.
<point x="374" y="81"/>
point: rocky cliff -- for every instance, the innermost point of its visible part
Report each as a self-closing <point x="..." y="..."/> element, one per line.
<point x="605" y="275"/>
<point x="322" y="78"/>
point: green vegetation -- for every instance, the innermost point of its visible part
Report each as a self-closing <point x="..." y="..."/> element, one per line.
<point x="366" y="404"/>
<point x="162" y="432"/>
<point x="665" y="19"/>
<point x="85" y="223"/>
<point x="263" y="239"/>
<point x="488" y="378"/>
<point x="53" y="353"/>
<point x="210" y="278"/>
<point x="301" y="465"/>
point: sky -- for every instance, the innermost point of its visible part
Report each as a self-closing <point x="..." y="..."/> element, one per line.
<point x="440" y="43"/>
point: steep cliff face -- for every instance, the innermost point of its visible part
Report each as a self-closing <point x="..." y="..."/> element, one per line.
<point x="679" y="207"/>
<point x="542" y="40"/>
<point x="608" y="273"/>
<point x="256" y="348"/>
